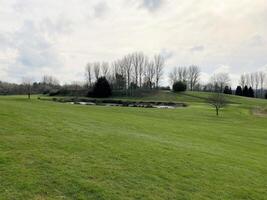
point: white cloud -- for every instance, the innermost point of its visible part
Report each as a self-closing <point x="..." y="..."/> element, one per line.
<point x="222" y="69"/>
<point x="60" y="37"/>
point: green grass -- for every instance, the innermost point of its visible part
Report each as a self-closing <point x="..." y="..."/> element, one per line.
<point x="51" y="150"/>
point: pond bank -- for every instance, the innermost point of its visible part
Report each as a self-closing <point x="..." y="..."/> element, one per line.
<point x="121" y="103"/>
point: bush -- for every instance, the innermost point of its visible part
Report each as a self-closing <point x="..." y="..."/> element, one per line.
<point x="266" y="95"/>
<point x="102" y="88"/>
<point x="179" y="86"/>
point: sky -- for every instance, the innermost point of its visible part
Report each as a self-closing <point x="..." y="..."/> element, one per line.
<point x="58" y="37"/>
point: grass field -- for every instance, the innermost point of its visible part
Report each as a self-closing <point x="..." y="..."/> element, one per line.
<point x="51" y="150"/>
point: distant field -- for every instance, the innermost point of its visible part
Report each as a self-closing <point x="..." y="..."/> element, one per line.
<point x="52" y="150"/>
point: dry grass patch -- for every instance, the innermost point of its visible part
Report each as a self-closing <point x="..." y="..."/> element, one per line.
<point x="260" y="111"/>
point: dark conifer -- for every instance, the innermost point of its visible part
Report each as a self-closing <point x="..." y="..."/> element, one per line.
<point x="245" y="91"/>
<point x="251" y="92"/>
<point x="238" y="91"/>
<point x="102" y="88"/>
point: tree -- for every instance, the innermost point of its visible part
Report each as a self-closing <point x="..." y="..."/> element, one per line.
<point x="143" y="60"/>
<point x="50" y="80"/>
<point x="227" y="90"/>
<point x="218" y="101"/>
<point x="178" y="74"/>
<point x="193" y="76"/>
<point x="245" y="91"/>
<point x="238" y="91"/>
<point x="27" y="83"/>
<point x="119" y="82"/>
<point x="127" y="64"/>
<point x="247" y="80"/>
<point x="173" y="75"/>
<point x="242" y="81"/>
<point x="257" y="82"/>
<point x="179" y="86"/>
<point x="182" y="74"/>
<point x="251" y="92"/>
<point x="262" y="77"/>
<point x="220" y="80"/>
<point x="252" y="80"/>
<point x="105" y="69"/>
<point x="150" y="74"/>
<point x="88" y="73"/>
<point x="135" y="67"/>
<point x="102" y="88"/>
<point x="159" y="65"/>
<point x="97" y="70"/>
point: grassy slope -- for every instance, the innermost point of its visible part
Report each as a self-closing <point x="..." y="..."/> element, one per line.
<point x="59" y="151"/>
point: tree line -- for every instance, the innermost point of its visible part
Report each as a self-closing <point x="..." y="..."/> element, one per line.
<point x="136" y="72"/>
<point x="129" y="73"/>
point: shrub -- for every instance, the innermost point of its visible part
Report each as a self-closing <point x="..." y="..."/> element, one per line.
<point x="179" y="86"/>
<point x="266" y="95"/>
<point x="102" y="88"/>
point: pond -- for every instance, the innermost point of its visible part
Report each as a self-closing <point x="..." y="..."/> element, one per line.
<point x="119" y="103"/>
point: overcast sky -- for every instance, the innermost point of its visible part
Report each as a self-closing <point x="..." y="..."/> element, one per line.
<point x="58" y="37"/>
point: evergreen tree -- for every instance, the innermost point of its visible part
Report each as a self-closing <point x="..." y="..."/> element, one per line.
<point x="238" y="91"/>
<point x="102" y="88"/>
<point x="179" y="86"/>
<point x="251" y="92"/>
<point x="245" y="91"/>
<point x="227" y="90"/>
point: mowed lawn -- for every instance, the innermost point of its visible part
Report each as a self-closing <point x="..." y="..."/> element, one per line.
<point x="50" y="150"/>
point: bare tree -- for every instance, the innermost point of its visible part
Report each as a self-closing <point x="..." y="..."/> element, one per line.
<point x="247" y="80"/>
<point x="242" y="81"/>
<point x="252" y="80"/>
<point x="178" y="74"/>
<point x="27" y="82"/>
<point x="143" y="60"/>
<point x="257" y="82"/>
<point x="138" y="62"/>
<point x="150" y="73"/>
<point x="105" y="69"/>
<point x="220" y="80"/>
<point x="173" y="75"/>
<point x="96" y="69"/>
<point x="135" y="58"/>
<point x="127" y="64"/>
<point x="118" y="75"/>
<point x="88" y="73"/>
<point x="182" y="74"/>
<point x="218" y="101"/>
<point x="50" y="80"/>
<point x="158" y="66"/>
<point x="262" y="77"/>
<point x="193" y="76"/>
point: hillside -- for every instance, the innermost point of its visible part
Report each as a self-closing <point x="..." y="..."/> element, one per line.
<point x="51" y="150"/>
